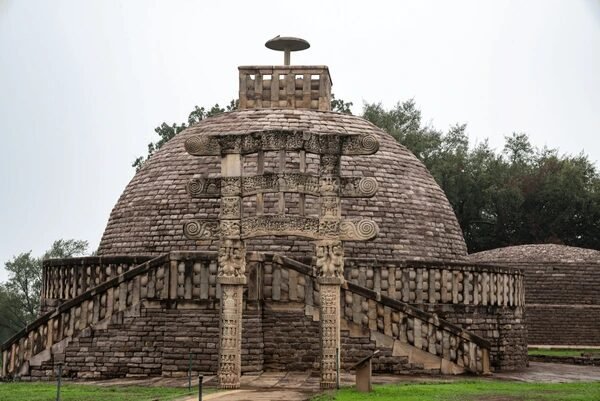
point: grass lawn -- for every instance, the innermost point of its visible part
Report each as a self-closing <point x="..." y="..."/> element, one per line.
<point x="563" y="351"/>
<point x="480" y="390"/>
<point x="85" y="392"/>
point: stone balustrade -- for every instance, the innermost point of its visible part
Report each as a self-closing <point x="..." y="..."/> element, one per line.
<point x="408" y="325"/>
<point x="424" y="282"/>
<point x="184" y="282"/>
<point x="287" y="280"/>
<point x="175" y="276"/>
<point x="413" y="282"/>
<point x="64" y="279"/>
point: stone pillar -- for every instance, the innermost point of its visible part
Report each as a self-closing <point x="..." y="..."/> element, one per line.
<point x="330" y="267"/>
<point x="230" y="344"/>
<point x="231" y="274"/>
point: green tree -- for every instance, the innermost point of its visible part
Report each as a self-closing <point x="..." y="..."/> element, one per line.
<point x="340" y="106"/>
<point x="516" y="196"/>
<point x="20" y="295"/>
<point x="166" y="131"/>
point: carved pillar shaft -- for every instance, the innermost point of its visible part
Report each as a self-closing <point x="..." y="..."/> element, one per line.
<point x="330" y="333"/>
<point x="230" y="347"/>
<point x="330" y="268"/>
<point x="231" y="274"/>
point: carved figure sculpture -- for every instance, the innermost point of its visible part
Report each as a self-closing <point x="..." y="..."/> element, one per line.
<point x="232" y="258"/>
<point x="330" y="258"/>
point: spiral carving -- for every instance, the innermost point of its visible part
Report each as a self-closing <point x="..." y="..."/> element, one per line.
<point x="364" y="144"/>
<point x="202" y="145"/>
<point x="199" y="229"/>
<point x="196" y="186"/>
<point x="369" y="143"/>
<point x="367" y="186"/>
<point x="367" y="229"/>
<point x="194" y="144"/>
<point x="361" y="230"/>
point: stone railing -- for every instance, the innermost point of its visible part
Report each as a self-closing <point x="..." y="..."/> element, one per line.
<point x="176" y="276"/>
<point x="286" y="279"/>
<point x="420" y="282"/>
<point x="179" y="278"/>
<point x="64" y="279"/>
<point x="412" y="326"/>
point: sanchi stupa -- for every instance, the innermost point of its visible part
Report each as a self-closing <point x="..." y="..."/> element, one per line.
<point x="561" y="291"/>
<point x="279" y="236"/>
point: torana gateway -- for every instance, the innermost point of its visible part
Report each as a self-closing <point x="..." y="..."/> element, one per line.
<point x="280" y="236"/>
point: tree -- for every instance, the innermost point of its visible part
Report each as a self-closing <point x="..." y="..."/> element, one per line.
<point x="20" y="295"/>
<point x="517" y="196"/>
<point x="166" y="132"/>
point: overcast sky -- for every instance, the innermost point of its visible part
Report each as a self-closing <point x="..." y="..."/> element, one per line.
<point x="84" y="83"/>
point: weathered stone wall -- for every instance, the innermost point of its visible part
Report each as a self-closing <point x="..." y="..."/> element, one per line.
<point x="413" y="214"/>
<point x="486" y="300"/>
<point x="563" y="324"/>
<point x="504" y="327"/>
<point x="291" y="339"/>
<point x="561" y="291"/>
<point x="147" y="320"/>
<point x="390" y="323"/>
<point x="292" y="343"/>
<point x="157" y="340"/>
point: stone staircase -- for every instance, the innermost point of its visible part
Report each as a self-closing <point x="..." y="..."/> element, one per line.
<point x="408" y="338"/>
<point x="46" y="338"/>
<point x="399" y="330"/>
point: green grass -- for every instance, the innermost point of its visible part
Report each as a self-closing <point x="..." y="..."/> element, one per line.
<point x="86" y="392"/>
<point x="476" y="390"/>
<point x="563" y="351"/>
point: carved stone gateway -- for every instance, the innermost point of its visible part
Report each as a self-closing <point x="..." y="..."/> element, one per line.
<point x="300" y="87"/>
<point x="327" y="228"/>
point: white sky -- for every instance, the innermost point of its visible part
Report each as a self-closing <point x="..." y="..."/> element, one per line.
<point x="84" y="83"/>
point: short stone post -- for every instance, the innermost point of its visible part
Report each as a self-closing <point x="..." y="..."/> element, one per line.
<point x="364" y="373"/>
<point x="231" y="275"/>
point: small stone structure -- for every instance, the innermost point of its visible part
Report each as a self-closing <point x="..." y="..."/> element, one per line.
<point x="242" y="242"/>
<point x="561" y="287"/>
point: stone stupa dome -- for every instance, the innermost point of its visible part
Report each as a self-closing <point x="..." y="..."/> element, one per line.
<point x="415" y="218"/>
<point x="534" y="254"/>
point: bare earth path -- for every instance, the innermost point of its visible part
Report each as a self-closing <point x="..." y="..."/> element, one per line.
<point x="301" y="386"/>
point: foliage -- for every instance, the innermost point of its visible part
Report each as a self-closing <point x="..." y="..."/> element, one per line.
<point x="340" y="106"/>
<point x="518" y="196"/>
<point x="20" y="295"/>
<point x="88" y="392"/>
<point x="566" y="352"/>
<point x="471" y="390"/>
<point x="166" y="132"/>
